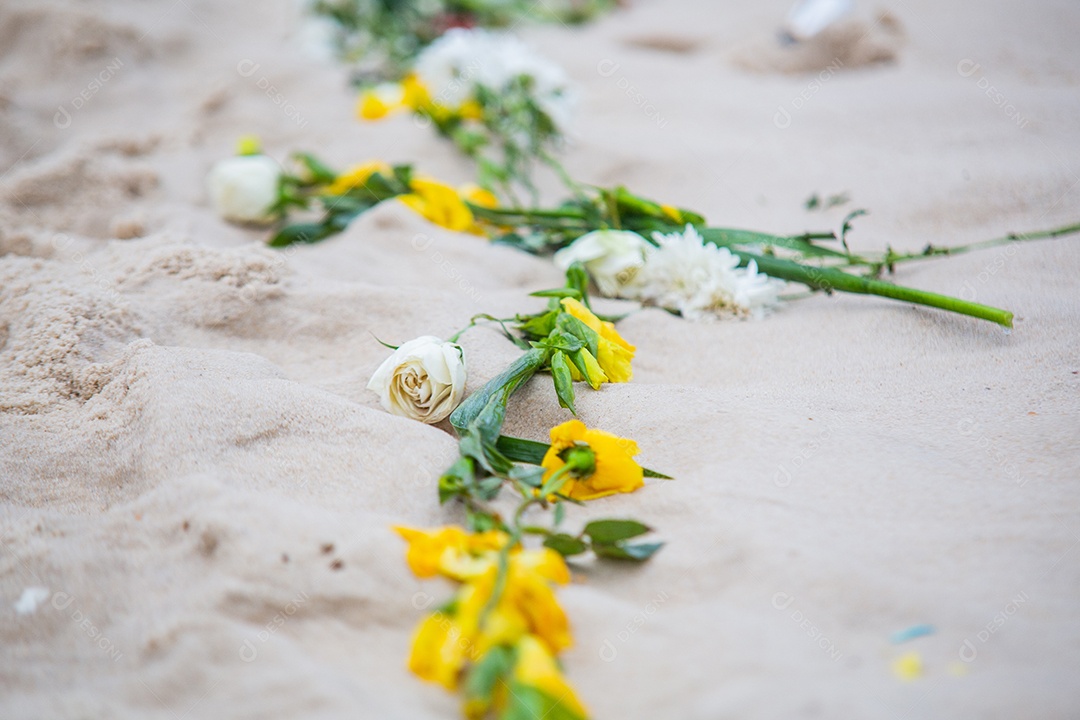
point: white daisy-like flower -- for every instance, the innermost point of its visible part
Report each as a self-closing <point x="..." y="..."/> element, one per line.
<point x="702" y="281"/>
<point x="452" y="66"/>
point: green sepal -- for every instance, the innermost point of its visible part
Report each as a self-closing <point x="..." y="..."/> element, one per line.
<point x="530" y="703"/>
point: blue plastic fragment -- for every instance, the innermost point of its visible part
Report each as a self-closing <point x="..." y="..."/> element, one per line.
<point x="915" y="631"/>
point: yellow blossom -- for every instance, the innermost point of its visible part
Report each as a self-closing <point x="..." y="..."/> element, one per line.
<point x="478" y="196"/>
<point x="439" y="203"/>
<point x="439" y="650"/>
<point x="356" y="176"/>
<point x="614" y="354"/>
<point x="472" y="624"/>
<point x="672" y="212"/>
<point x="536" y="668"/>
<point x="447" y="550"/>
<point x="471" y="110"/>
<point x="415" y="94"/>
<point x="614" y="467"/>
<point x="248" y="145"/>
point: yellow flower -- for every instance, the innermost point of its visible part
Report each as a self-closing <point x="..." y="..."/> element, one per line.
<point x="356" y="176"/>
<point x="439" y="650"/>
<point x="471" y="110"/>
<point x="471" y="625"/>
<point x="439" y="203"/>
<point x="449" y="550"/>
<point x="614" y="354"/>
<point x="614" y="468"/>
<point x="536" y="668"/>
<point x="377" y="102"/>
<point x="248" y="145"/>
<point x="672" y="212"/>
<point x="478" y="196"/>
<point x="415" y="94"/>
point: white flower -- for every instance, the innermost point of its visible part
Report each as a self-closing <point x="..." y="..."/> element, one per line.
<point x="452" y="66"/>
<point x="703" y="281"/>
<point x="424" y="379"/>
<point x="243" y="188"/>
<point x="612" y="257"/>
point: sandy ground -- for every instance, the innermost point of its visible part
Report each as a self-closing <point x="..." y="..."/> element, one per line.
<point x="192" y="470"/>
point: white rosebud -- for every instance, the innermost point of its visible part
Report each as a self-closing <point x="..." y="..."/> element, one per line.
<point x="612" y="257"/>
<point x="423" y="380"/>
<point x="243" y="188"/>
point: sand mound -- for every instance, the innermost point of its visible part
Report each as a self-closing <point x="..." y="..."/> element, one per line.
<point x="846" y="45"/>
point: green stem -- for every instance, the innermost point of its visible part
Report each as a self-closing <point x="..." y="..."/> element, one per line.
<point x="829" y="279"/>
<point x="931" y="251"/>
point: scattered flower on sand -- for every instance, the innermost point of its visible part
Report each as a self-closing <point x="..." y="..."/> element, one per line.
<point x="244" y="188"/>
<point x="702" y="281"/>
<point x="614" y="354"/>
<point x="612" y="258"/>
<point x="424" y="379"/>
<point x="600" y="463"/>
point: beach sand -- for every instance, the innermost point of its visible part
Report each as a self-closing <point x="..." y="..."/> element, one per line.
<point x="197" y="489"/>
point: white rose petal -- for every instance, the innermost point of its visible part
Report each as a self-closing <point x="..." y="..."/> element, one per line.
<point x="424" y="379"/>
<point x="242" y="189"/>
<point x="612" y="257"/>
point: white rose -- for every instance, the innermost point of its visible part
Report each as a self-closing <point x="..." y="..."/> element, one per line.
<point x="423" y="380"/>
<point x="243" y="188"/>
<point x="612" y="257"/>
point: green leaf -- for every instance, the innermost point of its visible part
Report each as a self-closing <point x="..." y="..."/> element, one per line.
<point x="611" y="531"/>
<point x="529" y="703"/>
<point x="636" y="553"/>
<point x="559" y="514"/>
<point x="529" y="474"/>
<point x="300" y="233"/>
<point x="485" y="675"/>
<point x="320" y="173"/>
<point x="565" y="545"/>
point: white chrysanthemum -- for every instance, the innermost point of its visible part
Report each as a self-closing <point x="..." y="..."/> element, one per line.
<point x="701" y="280"/>
<point x="453" y="65"/>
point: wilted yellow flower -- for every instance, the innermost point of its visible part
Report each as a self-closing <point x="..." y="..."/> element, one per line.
<point x="478" y="196"/>
<point x="439" y="650"/>
<point x="536" y="668"/>
<point x="446" y="550"/>
<point x="415" y="94"/>
<point x="438" y="203"/>
<point x="614" y="354"/>
<point x="356" y="176"/>
<point x="471" y="110"/>
<point x="377" y="102"/>
<point x="471" y="625"/>
<point x="613" y="471"/>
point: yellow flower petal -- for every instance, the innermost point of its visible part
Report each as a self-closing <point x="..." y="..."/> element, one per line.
<point x="356" y="176"/>
<point x="438" y="650"/>
<point x="536" y="668"/>
<point x="615" y="472"/>
<point x="614" y="353"/>
<point x="438" y="203"/>
<point x="415" y="94"/>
